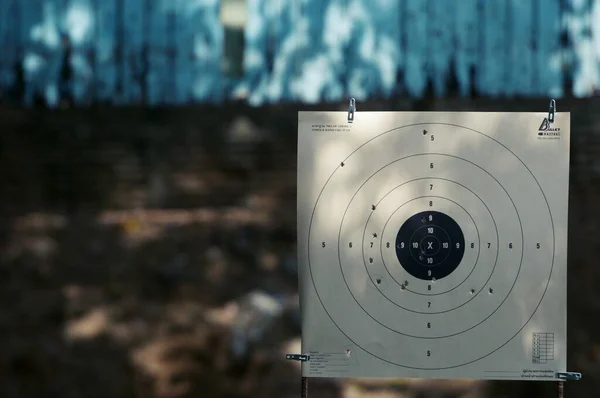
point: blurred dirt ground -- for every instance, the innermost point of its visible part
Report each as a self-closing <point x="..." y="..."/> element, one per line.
<point x="132" y="240"/>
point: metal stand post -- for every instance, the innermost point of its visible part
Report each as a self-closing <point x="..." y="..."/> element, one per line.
<point x="564" y="377"/>
<point x="304" y="390"/>
<point x="561" y="389"/>
<point x="304" y="381"/>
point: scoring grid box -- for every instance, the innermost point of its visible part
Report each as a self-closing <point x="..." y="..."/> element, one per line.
<point x="542" y="347"/>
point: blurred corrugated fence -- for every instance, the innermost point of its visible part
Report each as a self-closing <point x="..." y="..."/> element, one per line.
<point x="171" y="52"/>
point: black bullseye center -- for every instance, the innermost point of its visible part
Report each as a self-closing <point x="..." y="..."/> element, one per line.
<point x="430" y="244"/>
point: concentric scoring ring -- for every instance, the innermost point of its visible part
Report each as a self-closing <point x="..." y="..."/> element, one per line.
<point x="380" y="322"/>
<point x="477" y="238"/>
<point x="522" y="249"/>
<point x="420" y="250"/>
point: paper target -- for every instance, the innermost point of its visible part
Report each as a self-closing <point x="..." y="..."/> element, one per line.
<point x="433" y="245"/>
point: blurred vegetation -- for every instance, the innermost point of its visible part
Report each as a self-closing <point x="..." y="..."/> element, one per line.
<point x="130" y="241"/>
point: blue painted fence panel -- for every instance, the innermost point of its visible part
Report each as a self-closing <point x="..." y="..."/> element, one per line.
<point x="170" y="51"/>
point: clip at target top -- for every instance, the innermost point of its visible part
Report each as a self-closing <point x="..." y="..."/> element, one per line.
<point x="351" y="110"/>
<point x="551" y="111"/>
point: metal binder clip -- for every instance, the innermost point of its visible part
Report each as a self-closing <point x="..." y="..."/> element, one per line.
<point x="297" y="357"/>
<point x="351" y="110"/>
<point x="551" y="111"/>
<point x="569" y="376"/>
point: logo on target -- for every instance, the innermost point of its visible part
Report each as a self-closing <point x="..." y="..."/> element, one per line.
<point x="545" y="131"/>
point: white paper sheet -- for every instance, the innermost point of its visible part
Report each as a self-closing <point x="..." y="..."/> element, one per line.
<point x="433" y="245"/>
